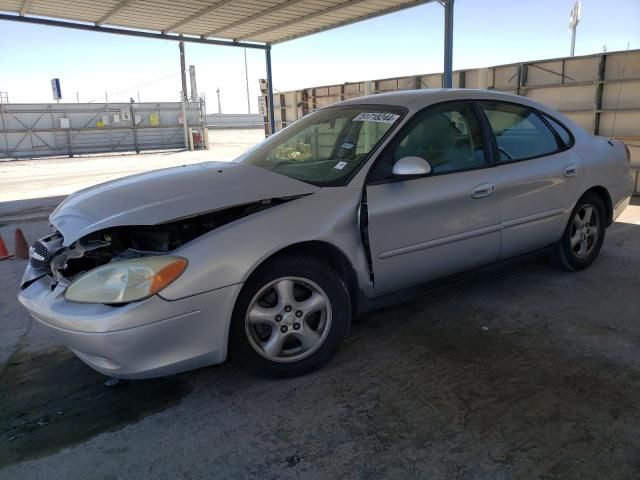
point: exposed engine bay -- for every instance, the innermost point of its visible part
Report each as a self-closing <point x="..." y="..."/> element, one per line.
<point x="50" y="257"/>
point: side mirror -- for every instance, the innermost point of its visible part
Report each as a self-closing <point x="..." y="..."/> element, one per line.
<point x="411" y="167"/>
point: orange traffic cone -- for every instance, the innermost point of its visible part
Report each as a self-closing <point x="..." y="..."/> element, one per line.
<point x="22" y="247"/>
<point x="4" y="253"/>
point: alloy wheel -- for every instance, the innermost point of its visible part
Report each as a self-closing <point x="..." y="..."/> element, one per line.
<point x="288" y="319"/>
<point x="584" y="233"/>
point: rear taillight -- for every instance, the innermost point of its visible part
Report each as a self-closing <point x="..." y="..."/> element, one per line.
<point x="626" y="149"/>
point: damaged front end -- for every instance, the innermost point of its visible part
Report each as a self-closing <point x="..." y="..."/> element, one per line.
<point x="50" y="257"/>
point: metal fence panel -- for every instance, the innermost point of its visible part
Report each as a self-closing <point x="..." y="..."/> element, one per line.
<point x="239" y="120"/>
<point x="37" y="130"/>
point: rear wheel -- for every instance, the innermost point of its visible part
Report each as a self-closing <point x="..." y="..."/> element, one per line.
<point x="583" y="236"/>
<point x="290" y="317"/>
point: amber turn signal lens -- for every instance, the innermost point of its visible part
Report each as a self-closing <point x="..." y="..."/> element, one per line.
<point x="167" y="275"/>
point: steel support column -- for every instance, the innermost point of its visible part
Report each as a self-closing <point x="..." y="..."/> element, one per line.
<point x="447" y="78"/>
<point x="272" y="117"/>
<point x="597" y="107"/>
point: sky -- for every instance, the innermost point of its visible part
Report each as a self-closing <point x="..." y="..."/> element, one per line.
<point x="409" y="42"/>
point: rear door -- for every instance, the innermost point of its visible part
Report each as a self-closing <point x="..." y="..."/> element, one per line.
<point x="420" y="229"/>
<point x="536" y="174"/>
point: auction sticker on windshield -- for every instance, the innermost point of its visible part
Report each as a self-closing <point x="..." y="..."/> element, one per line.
<point x="376" y="117"/>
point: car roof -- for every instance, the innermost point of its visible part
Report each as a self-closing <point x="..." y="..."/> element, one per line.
<point x="417" y="99"/>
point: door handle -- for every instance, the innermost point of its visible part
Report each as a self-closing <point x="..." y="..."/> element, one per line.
<point x="570" y="171"/>
<point x="483" y="190"/>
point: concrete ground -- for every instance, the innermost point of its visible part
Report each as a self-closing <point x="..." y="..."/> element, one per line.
<point x="27" y="179"/>
<point x="526" y="372"/>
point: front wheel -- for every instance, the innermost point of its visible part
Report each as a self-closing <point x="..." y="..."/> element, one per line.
<point x="290" y="318"/>
<point x="582" y="239"/>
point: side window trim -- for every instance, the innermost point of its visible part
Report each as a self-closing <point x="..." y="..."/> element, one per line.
<point x="561" y="143"/>
<point x="409" y="124"/>
<point x="492" y="154"/>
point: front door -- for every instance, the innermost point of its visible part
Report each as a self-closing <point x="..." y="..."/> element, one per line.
<point x="420" y="229"/>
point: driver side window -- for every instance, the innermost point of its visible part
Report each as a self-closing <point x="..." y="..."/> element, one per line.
<point x="447" y="136"/>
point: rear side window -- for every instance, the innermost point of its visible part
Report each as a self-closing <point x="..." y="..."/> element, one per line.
<point x="519" y="131"/>
<point x="560" y="129"/>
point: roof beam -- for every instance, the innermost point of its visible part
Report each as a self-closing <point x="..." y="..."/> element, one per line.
<point x="197" y="15"/>
<point x="304" y="18"/>
<point x="263" y="13"/>
<point x="25" y="7"/>
<point x="132" y="33"/>
<point x="122" y="5"/>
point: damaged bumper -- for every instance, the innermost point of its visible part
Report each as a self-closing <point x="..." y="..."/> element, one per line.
<point x="150" y="338"/>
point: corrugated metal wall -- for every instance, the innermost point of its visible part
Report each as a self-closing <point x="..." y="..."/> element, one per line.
<point x="599" y="92"/>
<point x="38" y="130"/>
<point x="234" y="120"/>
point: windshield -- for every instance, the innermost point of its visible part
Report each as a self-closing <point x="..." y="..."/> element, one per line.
<point x="327" y="146"/>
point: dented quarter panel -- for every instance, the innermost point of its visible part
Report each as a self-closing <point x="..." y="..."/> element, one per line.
<point x="169" y="194"/>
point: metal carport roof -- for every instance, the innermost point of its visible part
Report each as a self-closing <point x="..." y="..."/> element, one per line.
<point x="239" y="23"/>
<point x="263" y="21"/>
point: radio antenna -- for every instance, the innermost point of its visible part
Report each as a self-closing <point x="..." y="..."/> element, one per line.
<point x="615" y="114"/>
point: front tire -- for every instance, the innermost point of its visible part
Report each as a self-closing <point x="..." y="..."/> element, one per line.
<point x="583" y="237"/>
<point x="290" y="318"/>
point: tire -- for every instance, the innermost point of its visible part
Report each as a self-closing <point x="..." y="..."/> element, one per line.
<point x="583" y="236"/>
<point x="290" y="317"/>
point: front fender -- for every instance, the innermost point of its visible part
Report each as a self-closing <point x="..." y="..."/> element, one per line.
<point x="229" y="254"/>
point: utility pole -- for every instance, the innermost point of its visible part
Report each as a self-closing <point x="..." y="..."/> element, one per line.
<point x="246" y="78"/>
<point x="574" y="20"/>
<point x="219" y="106"/>
<point x="183" y="70"/>
<point x="183" y="95"/>
<point x="192" y="81"/>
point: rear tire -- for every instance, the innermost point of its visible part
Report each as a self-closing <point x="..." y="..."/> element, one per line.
<point x="583" y="237"/>
<point x="290" y="318"/>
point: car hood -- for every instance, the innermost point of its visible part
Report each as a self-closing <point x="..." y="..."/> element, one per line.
<point x="169" y="194"/>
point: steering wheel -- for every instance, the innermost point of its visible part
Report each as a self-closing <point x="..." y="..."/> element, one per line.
<point x="506" y="152"/>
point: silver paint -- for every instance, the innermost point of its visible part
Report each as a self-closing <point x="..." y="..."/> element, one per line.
<point x="419" y="229"/>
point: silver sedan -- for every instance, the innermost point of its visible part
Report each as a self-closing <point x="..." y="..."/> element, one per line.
<point x="271" y="256"/>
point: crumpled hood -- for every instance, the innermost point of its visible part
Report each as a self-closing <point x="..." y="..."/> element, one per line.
<point x="169" y="194"/>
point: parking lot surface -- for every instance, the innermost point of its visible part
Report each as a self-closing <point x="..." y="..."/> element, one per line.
<point x="47" y="177"/>
<point x="524" y="372"/>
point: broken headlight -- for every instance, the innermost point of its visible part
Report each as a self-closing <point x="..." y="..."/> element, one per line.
<point x="126" y="280"/>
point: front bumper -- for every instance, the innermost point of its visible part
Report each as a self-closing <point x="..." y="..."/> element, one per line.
<point x="145" y="339"/>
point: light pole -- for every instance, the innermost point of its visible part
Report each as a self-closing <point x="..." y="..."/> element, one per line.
<point x="574" y="20"/>
<point x="246" y="79"/>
